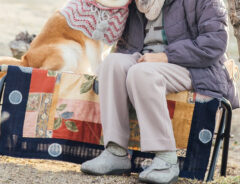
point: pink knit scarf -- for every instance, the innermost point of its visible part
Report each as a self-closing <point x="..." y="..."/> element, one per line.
<point x="96" y="21"/>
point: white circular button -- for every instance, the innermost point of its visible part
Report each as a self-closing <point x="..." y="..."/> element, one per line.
<point x="205" y="136"/>
<point x="15" y="97"/>
<point x="55" y="150"/>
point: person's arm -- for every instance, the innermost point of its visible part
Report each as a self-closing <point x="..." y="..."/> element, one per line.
<point x="211" y="43"/>
<point x="132" y="39"/>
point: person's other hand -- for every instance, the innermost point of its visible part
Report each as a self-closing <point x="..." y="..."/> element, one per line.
<point x="154" y="57"/>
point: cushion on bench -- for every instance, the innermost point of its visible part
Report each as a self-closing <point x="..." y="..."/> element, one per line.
<point x="57" y="116"/>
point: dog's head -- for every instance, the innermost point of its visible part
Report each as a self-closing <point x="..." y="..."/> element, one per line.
<point x="144" y="6"/>
<point x="114" y="3"/>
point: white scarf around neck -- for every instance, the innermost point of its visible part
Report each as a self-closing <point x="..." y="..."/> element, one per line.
<point x="154" y="10"/>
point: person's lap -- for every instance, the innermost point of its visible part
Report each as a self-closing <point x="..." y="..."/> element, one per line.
<point x="177" y="77"/>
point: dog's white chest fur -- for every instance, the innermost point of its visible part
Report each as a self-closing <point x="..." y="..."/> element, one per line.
<point x="87" y="59"/>
<point x="71" y="53"/>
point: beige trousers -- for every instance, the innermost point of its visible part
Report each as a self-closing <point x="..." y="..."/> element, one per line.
<point x="146" y="85"/>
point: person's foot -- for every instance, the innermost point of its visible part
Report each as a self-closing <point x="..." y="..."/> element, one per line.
<point x="107" y="164"/>
<point x="160" y="172"/>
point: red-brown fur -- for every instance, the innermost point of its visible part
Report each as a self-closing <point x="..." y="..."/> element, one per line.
<point x="44" y="52"/>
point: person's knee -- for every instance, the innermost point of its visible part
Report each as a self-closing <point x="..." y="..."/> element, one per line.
<point x="116" y="62"/>
<point x="139" y="74"/>
<point x="144" y="76"/>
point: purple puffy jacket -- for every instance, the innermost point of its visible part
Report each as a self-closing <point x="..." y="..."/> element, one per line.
<point x="196" y="32"/>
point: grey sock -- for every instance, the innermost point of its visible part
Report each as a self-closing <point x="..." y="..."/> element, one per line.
<point x="116" y="149"/>
<point x="168" y="156"/>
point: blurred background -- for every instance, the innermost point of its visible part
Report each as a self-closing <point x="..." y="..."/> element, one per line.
<point x="31" y="15"/>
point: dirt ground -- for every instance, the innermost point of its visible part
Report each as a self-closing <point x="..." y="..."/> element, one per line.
<point x="30" y="15"/>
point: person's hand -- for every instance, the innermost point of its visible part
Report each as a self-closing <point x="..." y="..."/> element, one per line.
<point x="154" y="57"/>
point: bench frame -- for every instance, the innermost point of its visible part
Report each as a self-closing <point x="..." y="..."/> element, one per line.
<point x="223" y="134"/>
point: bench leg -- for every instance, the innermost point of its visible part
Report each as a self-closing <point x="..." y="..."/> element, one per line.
<point x="217" y="147"/>
<point x="226" y="138"/>
<point x="223" y="133"/>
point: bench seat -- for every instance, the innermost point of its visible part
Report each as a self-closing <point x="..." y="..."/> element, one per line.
<point x="57" y="116"/>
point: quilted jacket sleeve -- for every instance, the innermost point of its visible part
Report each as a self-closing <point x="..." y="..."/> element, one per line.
<point x="133" y="35"/>
<point x="210" y="44"/>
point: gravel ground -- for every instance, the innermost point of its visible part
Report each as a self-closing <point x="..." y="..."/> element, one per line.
<point x="26" y="171"/>
<point x="30" y="15"/>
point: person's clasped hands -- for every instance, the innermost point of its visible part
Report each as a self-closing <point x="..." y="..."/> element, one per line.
<point x="153" y="57"/>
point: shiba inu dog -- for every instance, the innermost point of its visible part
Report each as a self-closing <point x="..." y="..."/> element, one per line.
<point x="75" y="38"/>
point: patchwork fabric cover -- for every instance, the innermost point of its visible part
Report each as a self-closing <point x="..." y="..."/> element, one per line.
<point x="57" y="116"/>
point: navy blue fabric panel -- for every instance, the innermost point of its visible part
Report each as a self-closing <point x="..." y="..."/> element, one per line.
<point x="196" y="161"/>
<point x="72" y="151"/>
<point x="14" y="102"/>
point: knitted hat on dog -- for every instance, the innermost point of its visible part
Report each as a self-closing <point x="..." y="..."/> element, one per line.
<point x="95" y="20"/>
<point x="153" y="11"/>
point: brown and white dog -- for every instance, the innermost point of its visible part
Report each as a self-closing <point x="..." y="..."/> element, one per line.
<point x="61" y="47"/>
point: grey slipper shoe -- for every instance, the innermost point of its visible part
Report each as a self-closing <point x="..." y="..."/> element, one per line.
<point x="107" y="164"/>
<point x="160" y="172"/>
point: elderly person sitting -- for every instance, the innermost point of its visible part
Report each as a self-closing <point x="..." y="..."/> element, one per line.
<point x="167" y="47"/>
